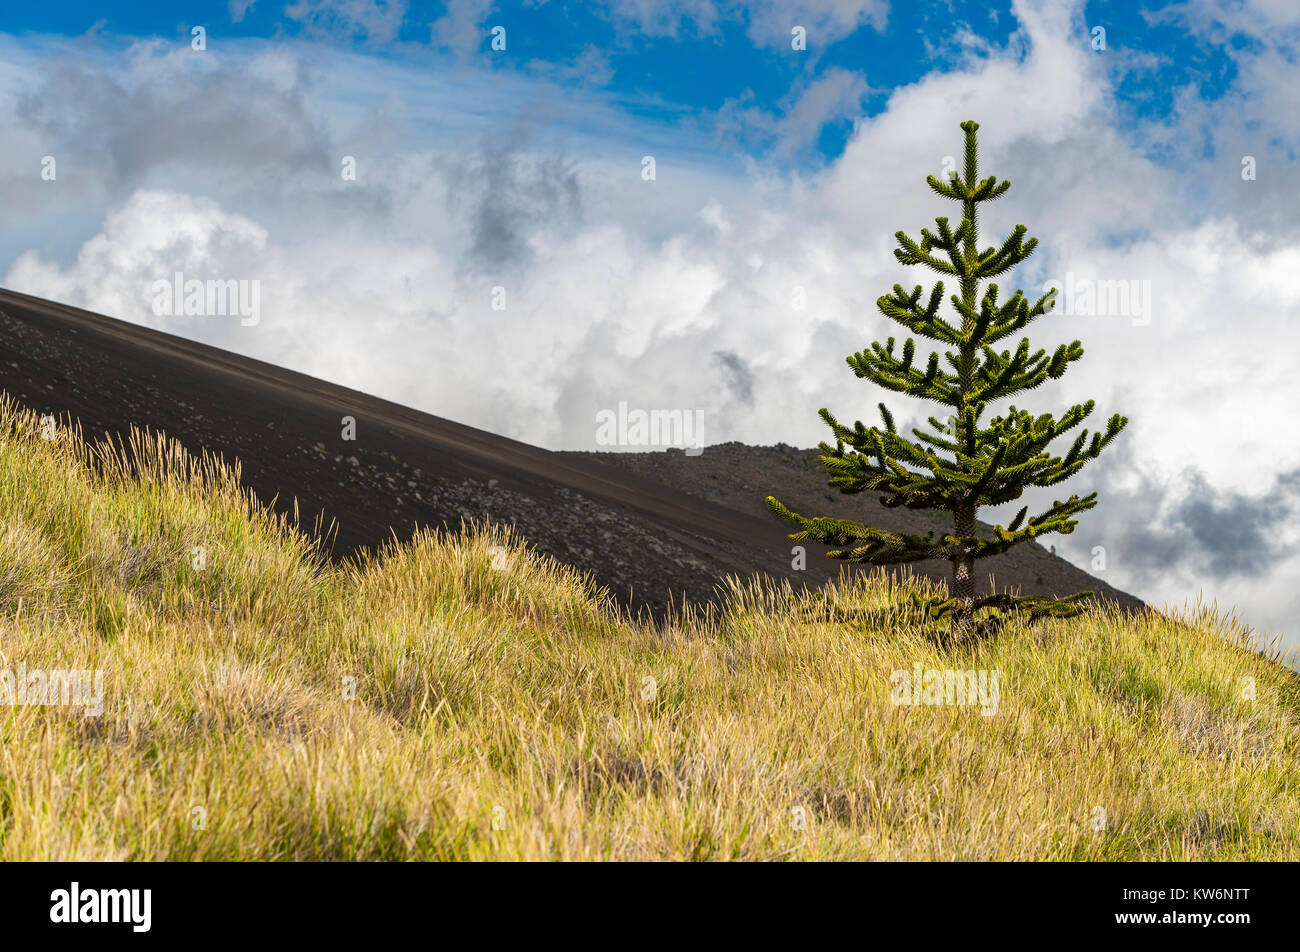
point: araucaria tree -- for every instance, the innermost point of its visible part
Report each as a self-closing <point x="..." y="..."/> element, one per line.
<point x="964" y="462"/>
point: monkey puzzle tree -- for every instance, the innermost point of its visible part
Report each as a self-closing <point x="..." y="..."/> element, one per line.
<point x="963" y="463"/>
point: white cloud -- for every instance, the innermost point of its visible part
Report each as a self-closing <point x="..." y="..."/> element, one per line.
<point x="375" y="20"/>
<point x="768" y="22"/>
<point x="793" y="127"/>
<point x="461" y="28"/>
<point x="678" y="292"/>
<point x="152" y="236"/>
<point x="239" y="8"/>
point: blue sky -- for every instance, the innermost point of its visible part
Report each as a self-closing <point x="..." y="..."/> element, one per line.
<point x="692" y="60"/>
<point x="782" y="176"/>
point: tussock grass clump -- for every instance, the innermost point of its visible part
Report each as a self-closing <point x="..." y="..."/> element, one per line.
<point x="459" y="696"/>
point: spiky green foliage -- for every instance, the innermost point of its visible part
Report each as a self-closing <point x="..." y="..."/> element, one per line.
<point x="962" y="463"/>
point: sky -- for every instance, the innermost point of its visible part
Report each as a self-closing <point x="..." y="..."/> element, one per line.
<point x="503" y="258"/>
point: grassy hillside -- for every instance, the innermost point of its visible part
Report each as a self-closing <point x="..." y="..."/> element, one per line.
<point x="449" y="700"/>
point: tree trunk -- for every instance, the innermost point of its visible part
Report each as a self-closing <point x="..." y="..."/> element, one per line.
<point x="963" y="567"/>
<point x="963" y="575"/>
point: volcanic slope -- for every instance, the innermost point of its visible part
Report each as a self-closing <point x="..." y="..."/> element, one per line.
<point x="653" y="528"/>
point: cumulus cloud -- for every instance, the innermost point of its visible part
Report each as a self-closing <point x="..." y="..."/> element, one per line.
<point x="737" y="292"/>
<point x="737" y="375"/>
<point x="1178" y="537"/>
<point x="507" y="196"/>
<point x="1181" y="525"/>
<point x="152" y="236"/>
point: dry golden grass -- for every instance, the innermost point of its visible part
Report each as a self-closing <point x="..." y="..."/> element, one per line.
<point x="430" y="704"/>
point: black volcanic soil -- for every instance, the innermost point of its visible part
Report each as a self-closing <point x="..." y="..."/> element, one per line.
<point x="653" y="528"/>
<point x="740" y="477"/>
